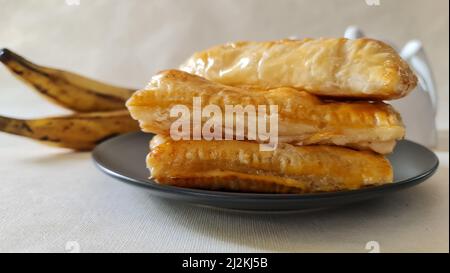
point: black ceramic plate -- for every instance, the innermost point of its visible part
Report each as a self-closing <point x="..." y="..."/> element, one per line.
<point x="123" y="157"/>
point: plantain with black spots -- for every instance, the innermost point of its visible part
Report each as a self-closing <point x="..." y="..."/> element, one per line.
<point x="78" y="131"/>
<point x="64" y="88"/>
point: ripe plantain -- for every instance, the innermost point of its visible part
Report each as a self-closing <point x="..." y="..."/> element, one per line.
<point x="77" y="131"/>
<point x="67" y="89"/>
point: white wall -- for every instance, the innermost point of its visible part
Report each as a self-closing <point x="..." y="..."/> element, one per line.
<point x="125" y="42"/>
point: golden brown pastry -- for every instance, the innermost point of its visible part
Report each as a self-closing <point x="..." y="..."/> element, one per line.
<point x="303" y="118"/>
<point x="241" y="166"/>
<point x="361" y="68"/>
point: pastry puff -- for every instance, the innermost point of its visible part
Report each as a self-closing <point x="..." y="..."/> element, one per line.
<point x="361" y="68"/>
<point x="232" y="165"/>
<point x="303" y="118"/>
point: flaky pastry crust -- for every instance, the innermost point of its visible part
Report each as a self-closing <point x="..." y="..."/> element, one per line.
<point x="336" y="67"/>
<point x="241" y="166"/>
<point x="304" y="119"/>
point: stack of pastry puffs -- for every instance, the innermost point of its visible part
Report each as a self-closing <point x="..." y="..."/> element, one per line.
<point x="333" y="128"/>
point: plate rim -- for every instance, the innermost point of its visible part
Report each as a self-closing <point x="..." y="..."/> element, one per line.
<point x="239" y="196"/>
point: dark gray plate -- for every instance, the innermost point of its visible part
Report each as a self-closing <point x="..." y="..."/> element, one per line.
<point x="123" y="157"/>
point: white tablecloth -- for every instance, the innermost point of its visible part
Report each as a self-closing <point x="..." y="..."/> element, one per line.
<point x="51" y="198"/>
<point x="56" y="200"/>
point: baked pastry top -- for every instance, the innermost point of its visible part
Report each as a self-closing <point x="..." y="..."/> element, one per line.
<point x="241" y="166"/>
<point x="335" y="67"/>
<point x="303" y="118"/>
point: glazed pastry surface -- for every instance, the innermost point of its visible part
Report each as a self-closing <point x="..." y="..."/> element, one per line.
<point x="304" y="119"/>
<point x="241" y="166"/>
<point x="338" y="67"/>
